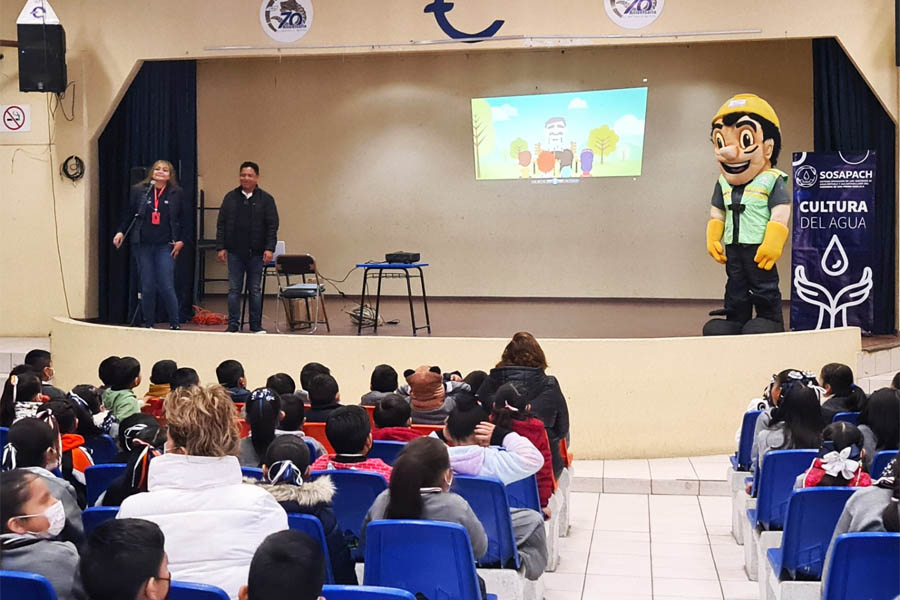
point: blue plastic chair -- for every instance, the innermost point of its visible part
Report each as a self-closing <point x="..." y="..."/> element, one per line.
<point x="777" y="473"/>
<point x="4" y="432"/>
<point x="94" y="515"/>
<point x="355" y="493"/>
<point x="364" y="592"/>
<point x="313" y="451"/>
<point x="487" y="497"/>
<point x="103" y="449"/>
<point x="809" y="524"/>
<point x="880" y="462"/>
<point x="524" y="494"/>
<point x="849" y="417"/>
<point x="386" y="450"/>
<point x="312" y="527"/>
<point x="428" y="557"/>
<point x="19" y="585"/>
<point x="181" y="590"/>
<point x="864" y="566"/>
<point x="252" y="472"/>
<point x="741" y="459"/>
<point x="99" y="477"/>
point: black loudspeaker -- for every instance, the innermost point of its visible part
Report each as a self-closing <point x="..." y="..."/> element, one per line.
<point x="42" y="58"/>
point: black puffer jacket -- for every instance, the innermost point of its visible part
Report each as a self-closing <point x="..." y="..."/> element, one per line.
<point x="547" y="402"/>
<point x="263" y="221"/>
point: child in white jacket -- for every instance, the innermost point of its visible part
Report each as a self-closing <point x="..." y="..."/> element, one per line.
<point x="473" y="447"/>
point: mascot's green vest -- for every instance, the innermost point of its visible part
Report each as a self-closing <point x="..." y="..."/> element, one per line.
<point x="755" y="214"/>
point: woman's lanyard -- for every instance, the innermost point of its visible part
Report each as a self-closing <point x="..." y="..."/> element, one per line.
<point x="157" y="193"/>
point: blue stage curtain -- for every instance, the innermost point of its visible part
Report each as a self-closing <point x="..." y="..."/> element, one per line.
<point x="156" y="119"/>
<point x="848" y="117"/>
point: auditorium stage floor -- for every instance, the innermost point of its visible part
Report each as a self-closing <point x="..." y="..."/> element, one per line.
<point x="500" y="317"/>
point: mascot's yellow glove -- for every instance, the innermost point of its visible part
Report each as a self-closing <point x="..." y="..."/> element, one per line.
<point x="714" y="230"/>
<point x="772" y="245"/>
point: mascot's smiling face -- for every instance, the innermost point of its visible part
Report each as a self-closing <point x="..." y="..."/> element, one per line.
<point x="741" y="147"/>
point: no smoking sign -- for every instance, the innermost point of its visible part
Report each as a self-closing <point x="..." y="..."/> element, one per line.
<point x="15" y="118"/>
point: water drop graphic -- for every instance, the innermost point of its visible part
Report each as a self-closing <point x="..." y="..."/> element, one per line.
<point x="834" y="260"/>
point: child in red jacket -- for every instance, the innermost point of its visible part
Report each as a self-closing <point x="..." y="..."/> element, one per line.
<point x="511" y="410"/>
<point x="393" y="417"/>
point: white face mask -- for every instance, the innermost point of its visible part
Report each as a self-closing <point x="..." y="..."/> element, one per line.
<point x="56" y="514"/>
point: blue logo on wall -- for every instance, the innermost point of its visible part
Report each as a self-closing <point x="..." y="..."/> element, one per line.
<point x="440" y="8"/>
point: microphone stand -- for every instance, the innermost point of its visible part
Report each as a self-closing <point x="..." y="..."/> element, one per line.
<point x="134" y="219"/>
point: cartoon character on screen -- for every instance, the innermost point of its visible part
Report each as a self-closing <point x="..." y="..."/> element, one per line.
<point x="751" y="209"/>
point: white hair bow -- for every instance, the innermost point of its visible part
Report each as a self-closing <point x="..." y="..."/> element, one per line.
<point x="840" y="463"/>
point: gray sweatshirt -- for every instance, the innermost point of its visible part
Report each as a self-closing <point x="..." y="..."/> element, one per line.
<point x="57" y="561"/>
<point x="869" y="444"/>
<point x="861" y="513"/>
<point x="447" y="507"/>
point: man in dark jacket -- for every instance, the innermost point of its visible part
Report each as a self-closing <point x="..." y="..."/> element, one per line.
<point x="246" y="234"/>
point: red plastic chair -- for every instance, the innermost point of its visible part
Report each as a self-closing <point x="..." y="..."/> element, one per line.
<point x="427" y="429"/>
<point x="317" y="431"/>
<point x="370" y="410"/>
<point x="245" y="427"/>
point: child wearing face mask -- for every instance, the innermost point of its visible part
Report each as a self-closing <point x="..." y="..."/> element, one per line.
<point x="33" y="446"/>
<point x="32" y="518"/>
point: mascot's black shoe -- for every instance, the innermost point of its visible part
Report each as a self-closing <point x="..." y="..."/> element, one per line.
<point x="722" y="327"/>
<point x="761" y="325"/>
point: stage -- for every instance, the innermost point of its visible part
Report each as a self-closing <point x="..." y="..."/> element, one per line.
<point x="629" y="397"/>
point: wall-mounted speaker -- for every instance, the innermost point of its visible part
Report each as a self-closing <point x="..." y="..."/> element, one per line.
<point x="42" y="58"/>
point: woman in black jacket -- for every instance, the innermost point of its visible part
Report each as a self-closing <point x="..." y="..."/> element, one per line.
<point x="154" y="214"/>
<point x="523" y="363"/>
<point x="285" y="468"/>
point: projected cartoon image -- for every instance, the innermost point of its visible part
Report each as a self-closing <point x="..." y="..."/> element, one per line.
<point x="574" y="134"/>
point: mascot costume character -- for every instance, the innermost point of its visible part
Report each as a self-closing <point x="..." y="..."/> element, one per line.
<point x="749" y="218"/>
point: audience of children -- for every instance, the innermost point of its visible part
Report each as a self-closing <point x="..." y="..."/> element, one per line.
<point x="286" y="474"/>
<point x="288" y="564"/>
<point x="307" y="374"/>
<point x="840" y="459"/>
<point x="382" y="383"/>
<point x="33" y="445"/>
<point x="21" y="395"/>
<point x="324" y="398"/>
<point x="841" y="394"/>
<point x="184" y="377"/>
<point x="230" y="374"/>
<point x="86" y="402"/>
<point x="263" y="415"/>
<point x="281" y="384"/>
<point x="421" y="490"/>
<point x="141" y="439"/>
<point x="523" y="362"/>
<point x="293" y="418"/>
<point x="879" y="423"/>
<point x="75" y="458"/>
<point x="350" y="434"/>
<point x="475" y="449"/>
<point x="211" y="520"/>
<point x="41" y="363"/>
<point x="393" y="417"/>
<point x="512" y="411"/>
<point x="126" y="559"/>
<point x="431" y="396"/>
<point x="119" y="399"/>
<point x="32" y="519"/>
<point x="105" y="371"/>
<point x="161" y="379"/>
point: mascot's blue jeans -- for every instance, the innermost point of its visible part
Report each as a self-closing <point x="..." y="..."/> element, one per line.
<point x="750" y="286"/>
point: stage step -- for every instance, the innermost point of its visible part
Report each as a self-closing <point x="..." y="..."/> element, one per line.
<point x="13" y="350"/>
<point x="688" y="476"/>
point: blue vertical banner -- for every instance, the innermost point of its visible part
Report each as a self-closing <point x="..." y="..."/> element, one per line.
<point x="831" y="250"/>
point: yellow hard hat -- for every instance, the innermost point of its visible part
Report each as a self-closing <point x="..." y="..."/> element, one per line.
<point x="749" y="103"/>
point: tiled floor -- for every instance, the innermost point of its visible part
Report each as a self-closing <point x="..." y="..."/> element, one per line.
<point x="643" y="547"/>
<point x="700" y="475"/>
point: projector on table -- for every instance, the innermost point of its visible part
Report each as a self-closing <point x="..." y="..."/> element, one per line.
<point x="401" y="257"/>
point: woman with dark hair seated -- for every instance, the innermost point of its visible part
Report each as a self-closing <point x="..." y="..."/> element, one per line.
<point x="523" y="363"/>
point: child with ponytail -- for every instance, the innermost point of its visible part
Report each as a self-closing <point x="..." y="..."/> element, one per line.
<point x="286" y="476"/>
<point x="263" y="415"/>
<point x="840" y="460"/>
<point x="511" y="410"/>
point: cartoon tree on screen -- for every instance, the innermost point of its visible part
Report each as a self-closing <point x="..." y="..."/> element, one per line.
<point x="482" y="131"/>
<point x="517" y="146"/>
<point x="602" y="141"/>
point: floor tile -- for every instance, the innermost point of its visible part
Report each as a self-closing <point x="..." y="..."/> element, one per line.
<point x="561" y="595"/>
<point x="687" y="588"/>
<point x="678" y="537"/>
<point x="589" y="468"/>
<point x="620" y="547"/>
<point x="634" y="468"/>
<point x="671" y="468"/>
<point x="598" y="586"/>
<point x="626" y="486"/>
<point x="687" y="551"/>
<point x="567" y="582"/>
<point x="619" y="565"/>
<point x="740" y="590"/>
<point x="572" y="562"/>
